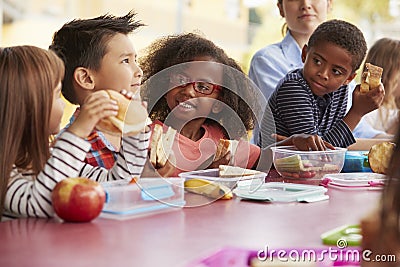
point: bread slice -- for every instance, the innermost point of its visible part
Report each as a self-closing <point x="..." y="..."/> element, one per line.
<point x="371" y="78"/>
<point x="164" y="147"/>
<point x="222" y="149"/>
<point x="132" y="116"/>
<point x="155" y="139"/>
<point x="161" y="145"/>
<point x="234" y="171"/>
<point x="379" y="157"/>
<point x="224" y="146"/>
<point x="364" y="86"/>
<point x="233" y="144"/>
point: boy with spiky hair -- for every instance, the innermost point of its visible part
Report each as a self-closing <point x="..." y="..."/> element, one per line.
<point x="99" y="54"/>
<point x="313" y="99"/>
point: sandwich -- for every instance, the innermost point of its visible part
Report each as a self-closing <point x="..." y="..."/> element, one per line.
<point x="131" y="119"/>
<point x="224" y="146"/>
<point x="234" y="171"/>
<point x="371" y="78"/>
<point x="379" y="157"/>
<point x="161" y="145"/>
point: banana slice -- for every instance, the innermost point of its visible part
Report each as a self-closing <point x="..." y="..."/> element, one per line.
<point x="208" y="189"/>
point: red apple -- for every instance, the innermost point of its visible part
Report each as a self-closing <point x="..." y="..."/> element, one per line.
<point x="78" y="199"/>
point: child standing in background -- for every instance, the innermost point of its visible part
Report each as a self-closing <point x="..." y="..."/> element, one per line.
<point x="313" y="99"/>
<point x="98" y="54"/>
<point x="385" y="53"/>
<point x="31" y="108"/>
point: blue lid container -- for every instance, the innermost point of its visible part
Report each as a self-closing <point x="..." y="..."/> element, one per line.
<point x="356" y="161"/>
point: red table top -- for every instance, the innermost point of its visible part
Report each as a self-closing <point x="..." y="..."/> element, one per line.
<point x="178" y="237"/>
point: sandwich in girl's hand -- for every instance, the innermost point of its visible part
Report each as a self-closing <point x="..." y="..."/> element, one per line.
<point x="225" y="146"/>
<point x="161" y="145"/>
<point x="131" y="119"/>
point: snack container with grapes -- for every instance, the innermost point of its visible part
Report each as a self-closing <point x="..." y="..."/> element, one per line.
<point x="293" y="163"/>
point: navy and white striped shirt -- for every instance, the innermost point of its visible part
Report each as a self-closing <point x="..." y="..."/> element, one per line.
<point x="296" y="110"/>
<point x="29" y="195"/>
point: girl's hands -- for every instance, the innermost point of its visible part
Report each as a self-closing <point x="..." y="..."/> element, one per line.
<point x="96" y="107"/>
<point x="156" y="171"/>
<point x="225" y="160"/>
<point x="169" y="168"/>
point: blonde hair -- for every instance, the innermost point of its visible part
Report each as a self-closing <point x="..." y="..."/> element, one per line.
<point x="385" y="53"/>
<point x="28" y="76"/>
<point x="284" y="28"/>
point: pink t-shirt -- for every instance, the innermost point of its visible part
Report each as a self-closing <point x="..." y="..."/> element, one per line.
<point x="191" y="154"/>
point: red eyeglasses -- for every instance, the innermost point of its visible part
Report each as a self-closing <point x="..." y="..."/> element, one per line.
<point x="205" y="88"/>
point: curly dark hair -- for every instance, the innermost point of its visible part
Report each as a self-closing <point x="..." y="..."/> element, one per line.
<point x="83" y="43"/>
<point x="342" y="34"/>
<point x="173" y="50"/>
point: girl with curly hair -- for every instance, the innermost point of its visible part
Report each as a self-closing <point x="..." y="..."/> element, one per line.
<point x="193" y="86"/>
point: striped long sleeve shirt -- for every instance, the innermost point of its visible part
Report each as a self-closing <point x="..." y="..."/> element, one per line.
<point x="29" y="195"/>
<point x="294" y="109"/>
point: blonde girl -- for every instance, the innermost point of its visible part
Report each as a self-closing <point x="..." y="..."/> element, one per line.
<point x="385" y="53"/>
<point x="31" y="108"/>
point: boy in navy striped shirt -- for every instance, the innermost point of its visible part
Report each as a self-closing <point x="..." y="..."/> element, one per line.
<point x="313" y="99"/>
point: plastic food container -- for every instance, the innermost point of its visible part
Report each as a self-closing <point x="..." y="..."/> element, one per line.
<point x="147" y="196"/>
<point x="282" y="192"/>
<point x="295" y="164"/>
<point x="230" y="182"/>
<point x="356" y="161"/>
<point x="355" y="180"/>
